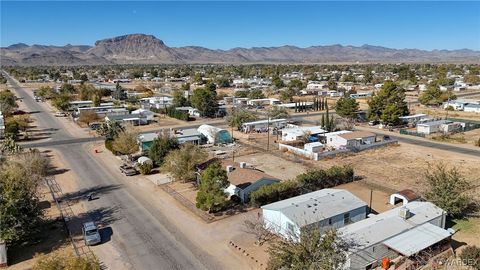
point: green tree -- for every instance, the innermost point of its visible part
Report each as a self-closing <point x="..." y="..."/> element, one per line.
<point x="433" y="95"/>
<point x="277" y="112"/>
<point x="20" y="213"/>
<point x="287" y="95"/>
<point x="145" y="168"/>
<point x="180" y="163"/>
<point x="179" y="99"/>
<point x="110" y="130"/>
<point x="119" y="93"/>
<point x="83" y="77"/>
<point x="160" y="148"/>
<point x="12" y="128"/>
<point x="211" y="195"/>
<point x="67" y="88"/>
<point x="296" y="85"/>
<point x="367" y="75"/>
<point x="205" y="101"/>
<point x="9" y="146"/>
<point x="237" y="117"/>
<point x="332" y="85"/>
<point x="347" y="107"/>
<point x="277" y="82"/>
<point x="7" y="102"/>
<point x="447" y="189"/>
<point x="62" y="101"/>
<point x="126" y="142"/>
<point x="255" y="94"/>
<point x="313" y="251"/>
<point x="390" y="96"/>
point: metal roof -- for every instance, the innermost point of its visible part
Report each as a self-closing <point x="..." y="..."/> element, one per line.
<point x="376" y="229"/>
<point x="147" y="137"/>
<point x="264" y="121"/>
<point x="316" y="206"/>
<point x="417" y="239"/>
<point x="434" y="123"/>
<point x="313" y="130"/>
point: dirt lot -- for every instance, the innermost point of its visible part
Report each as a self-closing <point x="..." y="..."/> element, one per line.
<point x="53" y="235"/>
<point x="403" y="166"/>
<point x="441" y="113"/>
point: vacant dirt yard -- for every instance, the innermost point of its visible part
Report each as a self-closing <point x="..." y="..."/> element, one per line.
<point x="404" y="166"/>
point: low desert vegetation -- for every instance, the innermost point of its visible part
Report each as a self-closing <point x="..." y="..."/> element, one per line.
<point x="64" y="260"/>
<point x="303" y="183"/>
<point x="448" y="189"/>
<point x="180" y="163"/>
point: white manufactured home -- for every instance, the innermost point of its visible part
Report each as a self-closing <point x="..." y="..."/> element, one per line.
<point x="325" y="209"/>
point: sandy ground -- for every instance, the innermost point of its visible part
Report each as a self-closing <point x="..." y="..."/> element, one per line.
<point x="67" y="181"/>
<point x="23" y="258"/>
<point x="213" y="238"/>
<point x="441" y="113"/>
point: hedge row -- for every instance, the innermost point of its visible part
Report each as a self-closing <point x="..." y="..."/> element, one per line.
<point x="172" y="112"/>
<point x="303" y="183"/>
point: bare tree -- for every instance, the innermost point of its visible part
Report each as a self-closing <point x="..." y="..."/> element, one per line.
<point x="256" y="227"/>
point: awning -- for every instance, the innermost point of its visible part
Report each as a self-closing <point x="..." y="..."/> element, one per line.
<point x="417" y="239"/>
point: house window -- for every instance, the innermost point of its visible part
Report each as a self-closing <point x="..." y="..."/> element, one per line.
<point x="346" y="218"/>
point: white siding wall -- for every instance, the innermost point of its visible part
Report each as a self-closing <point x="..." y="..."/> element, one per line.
<point x="276" y="222"/>
<point x="335" y="141"/>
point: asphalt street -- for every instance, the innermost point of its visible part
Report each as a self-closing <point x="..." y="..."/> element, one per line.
<point x="138" y="230"/>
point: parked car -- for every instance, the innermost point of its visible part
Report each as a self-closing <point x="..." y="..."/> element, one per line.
<point x="91" y="235"/>
<point x="60" y="114"/>
<point x="94" y="126"/>
<point x="373" y="123"/>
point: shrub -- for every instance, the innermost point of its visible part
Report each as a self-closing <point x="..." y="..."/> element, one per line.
<point x="59" y="260"/>
<point x="109" y="146"/>
<point x="303" y="183"/>
<point x="174" y="113"/>
<point x="471" y="256"/>
<point x="145" y="168"/>
<point x="275" y="192"/>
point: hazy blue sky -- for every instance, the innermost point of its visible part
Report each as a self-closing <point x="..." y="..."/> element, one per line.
<point x="223" y="25"/>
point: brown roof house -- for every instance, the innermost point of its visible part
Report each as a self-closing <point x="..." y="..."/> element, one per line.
<point x="349" y="139"/>
<point x="245" y="179"/>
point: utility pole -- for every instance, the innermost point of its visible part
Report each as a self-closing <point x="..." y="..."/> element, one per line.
<point x="268" y="134"/>
<point x="370" y="206"/>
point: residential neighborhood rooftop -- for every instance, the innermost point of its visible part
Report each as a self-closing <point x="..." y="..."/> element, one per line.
<point x="318" y="205"/>
<point x="356" y="134"/>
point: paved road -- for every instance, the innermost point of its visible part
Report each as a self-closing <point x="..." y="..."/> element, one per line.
<point x="420" y="141"/>
<point x="141" y="232"/>
<point x="45" y="121"/>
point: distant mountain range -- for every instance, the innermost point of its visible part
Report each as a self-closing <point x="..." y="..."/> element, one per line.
<point x="147" y="49"/>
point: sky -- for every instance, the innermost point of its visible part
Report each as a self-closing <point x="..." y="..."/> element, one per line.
<point x="224" y="25"/>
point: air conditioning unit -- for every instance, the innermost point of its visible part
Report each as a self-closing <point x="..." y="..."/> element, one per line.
<point x="243" y="165"/>
<point x="404" y="212"/>
<point x="229" y="169"/>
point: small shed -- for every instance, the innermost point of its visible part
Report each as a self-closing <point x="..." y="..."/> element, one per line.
<point x="405" y="196"/>
<point x="143" y="160"/>
<point x="215" y="135"/>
